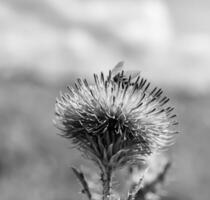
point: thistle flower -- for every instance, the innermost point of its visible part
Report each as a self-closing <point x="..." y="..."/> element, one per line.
<point x="116" y="121"/>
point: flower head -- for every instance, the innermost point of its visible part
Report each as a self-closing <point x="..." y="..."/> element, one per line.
<point x="116" y="121"/>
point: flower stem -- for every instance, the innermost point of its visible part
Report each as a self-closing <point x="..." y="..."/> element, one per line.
<point x="136" y="188"/>
<point x="84" y="183"/>
<point x="106" y="177"/>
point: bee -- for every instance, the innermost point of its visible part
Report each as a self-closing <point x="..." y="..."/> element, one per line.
<point x="126" y="77"/>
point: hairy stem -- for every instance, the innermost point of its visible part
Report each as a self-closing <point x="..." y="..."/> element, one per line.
<point x="106" y="178"/>
<point x="136" y="187"/>
<point x="84" y="183"/>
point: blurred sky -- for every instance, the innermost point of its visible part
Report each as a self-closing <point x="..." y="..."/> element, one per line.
<point x="46" y="44"/>
<point x="168" y="40"/>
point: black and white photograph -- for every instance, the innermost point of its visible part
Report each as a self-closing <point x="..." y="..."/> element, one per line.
<point x="104" y="100"/>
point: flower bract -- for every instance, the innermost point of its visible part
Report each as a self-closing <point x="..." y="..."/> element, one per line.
<point x="118" y="120"/>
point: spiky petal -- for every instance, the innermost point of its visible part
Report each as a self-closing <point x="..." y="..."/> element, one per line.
<point x="116" y="121"/>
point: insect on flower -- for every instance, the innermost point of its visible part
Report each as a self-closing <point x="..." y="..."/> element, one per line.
<point x="120" y="75"/>
<point x="116" y="121"/>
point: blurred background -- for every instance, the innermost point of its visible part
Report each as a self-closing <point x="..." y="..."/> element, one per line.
<point x="47" y="44"/>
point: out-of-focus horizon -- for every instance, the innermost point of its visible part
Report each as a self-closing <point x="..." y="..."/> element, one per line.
<point x="46" y="44"/>
<point x="169" y="41"/>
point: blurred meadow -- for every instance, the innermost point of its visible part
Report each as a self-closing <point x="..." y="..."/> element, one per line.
<point x="47" y="44"/>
